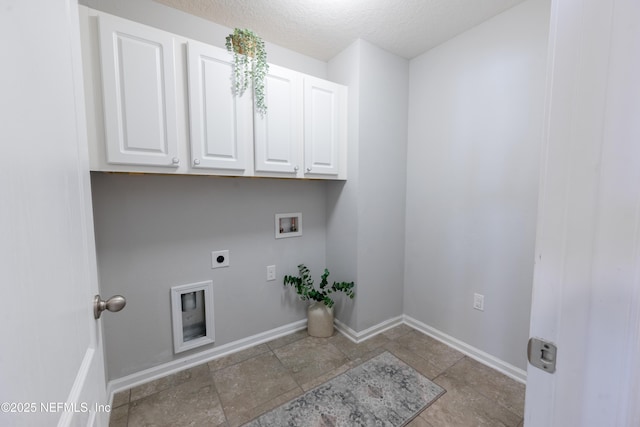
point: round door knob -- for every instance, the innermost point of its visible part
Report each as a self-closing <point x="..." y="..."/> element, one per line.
<point x="295" y="168"/>
<point x="196" y="162"/>
<point x="308" y="169"/>
<point x="113" y="304"/>
<point x="175" y="160"/>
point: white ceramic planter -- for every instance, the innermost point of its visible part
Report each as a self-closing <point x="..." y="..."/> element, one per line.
<point x="319" y="320"/>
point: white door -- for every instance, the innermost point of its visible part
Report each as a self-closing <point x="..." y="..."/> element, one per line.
<point x="139" y="91"/>
<point x="51" y="361"/>
<point x="586" y="294"/>
<point x="324" y="125"/>
<point x="220" y="122"/>
<point x="278" y="133"/>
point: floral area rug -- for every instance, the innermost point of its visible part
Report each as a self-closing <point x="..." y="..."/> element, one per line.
<point x="383" y="391"/>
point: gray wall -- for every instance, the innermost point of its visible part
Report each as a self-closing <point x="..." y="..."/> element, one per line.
<point x="475" y="129"/>
<point x="384" y="94"/>
<point x="342" y="197"/>
<point x="366" y="224"/>
<point x="154" y="232"/>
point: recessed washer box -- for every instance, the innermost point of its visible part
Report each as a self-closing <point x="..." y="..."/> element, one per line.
<point x="220" y="259"/>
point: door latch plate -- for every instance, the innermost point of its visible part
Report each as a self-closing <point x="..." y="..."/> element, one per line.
<point x="542" y="354"/>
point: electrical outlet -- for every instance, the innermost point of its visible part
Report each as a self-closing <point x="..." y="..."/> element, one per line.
<point x="271" y="272"/>
<point x="220" y="259"/>
<point x="478" y="302"/>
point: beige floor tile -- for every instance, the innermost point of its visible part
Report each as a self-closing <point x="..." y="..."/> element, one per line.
<point x="412" y="359"/>
<point x="251" y="383"/>
<point x="248" y="414"/>
<point x="287" y="339"/>
<point x="419" y="422"/>
<point x="462" y="406"/>
<point x="438" y="354"/>
<point x="310" y="358"/>
<point x="152" y="387"/>
<point x="491" y="383"/>
<point x="397" y="331"/>
<point x="169" y="381"/>
<point x="240" y="356"/>
<point x="366" y="356"/>
<point x="119" y="417"/>
<point x="315" y="382"/>
<point x="121" y="398"/>
<point x="192" y="403"/>
<point x="355" y="351"/>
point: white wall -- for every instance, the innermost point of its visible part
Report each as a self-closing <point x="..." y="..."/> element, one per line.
<point x="157" y="15"/>
<point x="475" y="125"/>
<point x="366" y="224"/>
<point x="154" y="232"/>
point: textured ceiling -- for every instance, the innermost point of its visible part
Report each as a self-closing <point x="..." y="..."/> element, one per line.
<point x="323" y="28"/>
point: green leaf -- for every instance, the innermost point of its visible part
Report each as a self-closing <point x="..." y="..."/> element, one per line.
<point x="306" y="291"/>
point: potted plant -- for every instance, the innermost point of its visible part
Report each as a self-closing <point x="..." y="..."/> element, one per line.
<point x="320" y="311"/>
<point x="250" y="64"/>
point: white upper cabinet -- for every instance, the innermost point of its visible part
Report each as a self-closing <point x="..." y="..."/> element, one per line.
<point x="278" y="133"/>
<point x="304" y="131"/>
<point x="324" y="126"/>
<point x="139" y="93"/>
<point x="220" y="122"/>
<point x="158" y="102"/>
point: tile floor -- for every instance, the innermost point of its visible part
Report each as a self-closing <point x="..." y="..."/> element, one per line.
<point x="232" y="390"/>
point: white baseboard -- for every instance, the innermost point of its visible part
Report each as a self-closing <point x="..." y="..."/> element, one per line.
<point x="358" y="337"/>
<point x="196" y="359"/>
<point x="192" y="360"/>
<point x="474" y="353"/>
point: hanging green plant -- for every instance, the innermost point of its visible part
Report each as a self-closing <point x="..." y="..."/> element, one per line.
<point x="250" y="64"/>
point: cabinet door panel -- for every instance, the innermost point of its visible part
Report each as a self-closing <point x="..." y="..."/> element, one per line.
<point x="323" y="126"/>
<point x="220" y="122"/>
<point x="139" y="93"/>
<point x="278" y="132"/>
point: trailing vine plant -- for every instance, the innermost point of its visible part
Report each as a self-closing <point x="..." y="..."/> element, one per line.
<point x="250" y="64"/>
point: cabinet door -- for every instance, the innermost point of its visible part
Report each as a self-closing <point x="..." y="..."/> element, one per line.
<point x="220" y="122"/>
<point x="278" y="133"/>
<point x="138" y="79"/>
<point x="324" y="126"/>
